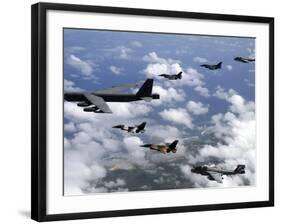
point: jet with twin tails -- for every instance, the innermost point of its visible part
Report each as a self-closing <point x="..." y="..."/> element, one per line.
<point x="172" y="77"/>
<point x="212" y="67"/>
<point x="216" y="174"/>
<point x="244" y="60"/>
<point x="165" y="148"/>
<point x="132" y="129"/>
<point x="96" y="101"/>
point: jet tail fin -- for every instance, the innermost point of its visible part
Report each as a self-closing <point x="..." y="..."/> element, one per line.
<point x="219" y="65"/>
<point x="140" y="128"/>
<point x="240" y="169"/>
<point x="146" y="89"/>
<point x="173" y="144"/>
<point x="179" y="75"/>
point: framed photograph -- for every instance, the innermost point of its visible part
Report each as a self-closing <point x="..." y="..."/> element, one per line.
<point x="139" y="111"/>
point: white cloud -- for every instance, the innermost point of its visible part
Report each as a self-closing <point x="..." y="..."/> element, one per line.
<point x="152" y="57"/>
<point x="83" y="66"/>
<point x="164" y="133"/>
<point x="69" y="86"/>
<point x="203" y="91"/>
<point x="238" y="103"/>
<point x="235" y="131"/>
<point x="229" y="67"/>
<point x="120" y="52"/>
<point x="192" y="77"/>
<point x="81" y="165"/>
<point x="178" y="116"/>
<point x="130" y="110"/>
<point x="136" y="44"/>
<point x="168" y="95"/>
<point x="69" y="127"/>
<point x="200" y="60"/>
<point x="197" y="108"/>
<point x="116" y="70"/>
<point x="112" y="184"/>
<point x="135" y="152"/>
<point x="222" y="94"/>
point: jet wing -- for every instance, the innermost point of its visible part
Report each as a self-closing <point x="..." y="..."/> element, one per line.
<point x="98" y="102"/>
<point x="215" y="176"/>
<point x="115" y="89"/>
<point x="131" y="129"/>
<point x="163" y="148"/>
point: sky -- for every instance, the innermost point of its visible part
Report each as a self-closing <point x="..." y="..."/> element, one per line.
<point x="211" y="113"/>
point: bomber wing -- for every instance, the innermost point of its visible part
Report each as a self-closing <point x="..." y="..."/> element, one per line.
<point x="215" y="176"/>
<point x="115" y="89"/>
<point x="98" y="102"/>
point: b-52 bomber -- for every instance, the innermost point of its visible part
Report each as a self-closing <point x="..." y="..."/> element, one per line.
<point x="244" y="60"/>
<point x="212" y="67"/>
<point x="168" y="147"/>
<point x="216" y="174"/>
<point x="96" y="101"/>
<point x="172" y="77"/>
<point x="132" y="129"/>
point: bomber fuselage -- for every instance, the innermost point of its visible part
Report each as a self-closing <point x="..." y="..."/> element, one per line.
<point x="78" y="97"/>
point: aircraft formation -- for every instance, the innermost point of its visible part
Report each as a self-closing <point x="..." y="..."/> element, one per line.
<point x="96" y="102"/>
<point x="219" y="65"/>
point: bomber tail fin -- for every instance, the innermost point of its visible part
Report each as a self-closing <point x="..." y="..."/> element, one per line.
<point x="145" y="92"/>
<point x="146" y="89"/>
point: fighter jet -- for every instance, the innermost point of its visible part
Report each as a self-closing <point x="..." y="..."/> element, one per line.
<point x="244" y="60"/>
<point x="168" y="147"/>
<point x="132" y="129"/>
<point x="172" y="77"/>
<point x="96" y="101"/>
<point x="212" y="67"/>
<point x="216" y="174"/>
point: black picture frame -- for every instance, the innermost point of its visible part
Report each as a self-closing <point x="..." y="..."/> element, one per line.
<point x="39" y="122"/>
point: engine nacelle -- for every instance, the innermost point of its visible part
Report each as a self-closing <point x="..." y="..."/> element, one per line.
<point x="94" y="109"/>
<point x="83" y="104"/>
<point x="91" y="109"/>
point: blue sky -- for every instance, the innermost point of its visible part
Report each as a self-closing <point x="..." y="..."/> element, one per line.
<point x="208" y="111"/>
